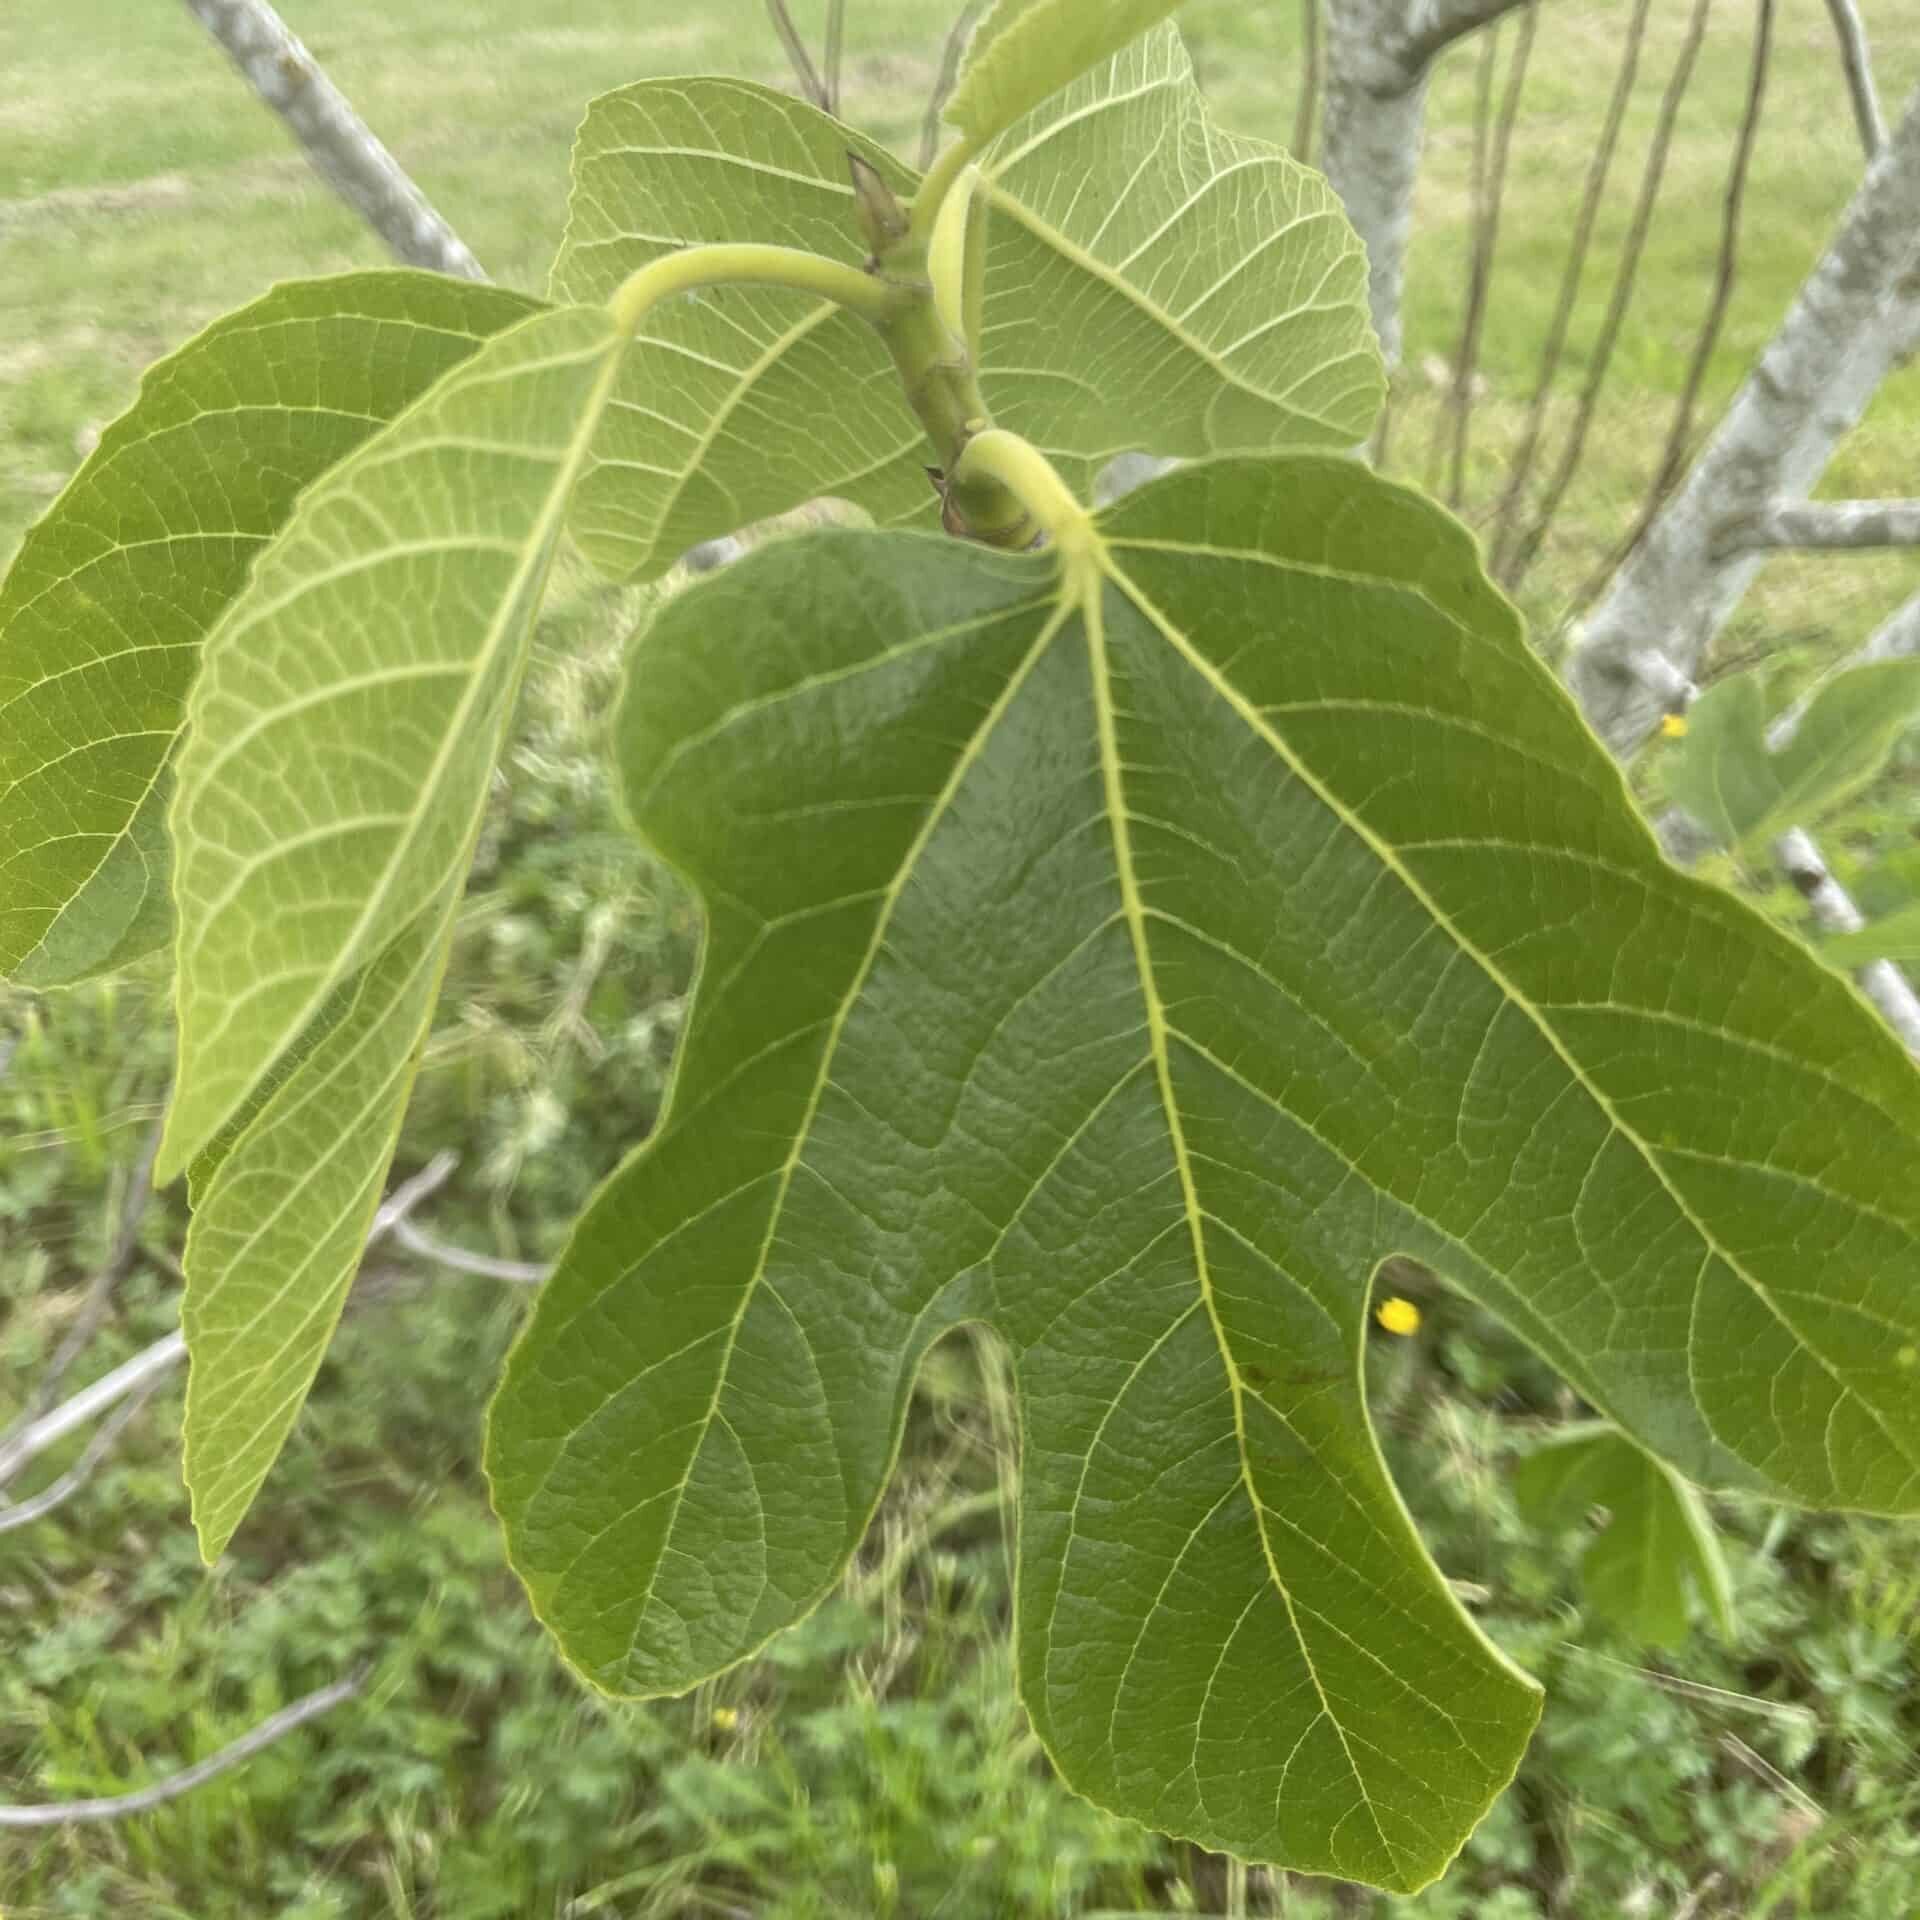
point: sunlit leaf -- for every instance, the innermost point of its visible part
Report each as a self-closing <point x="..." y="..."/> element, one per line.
<point x="1130" y="951"/>
<point x="1151" y="282"/>
<point x="342" y="736"/>
<point x="104" y="609"/>
<point x="1024" y="50"/>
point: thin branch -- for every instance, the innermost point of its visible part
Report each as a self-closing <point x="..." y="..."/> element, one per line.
<point x="118" y="1806"/>
<point x="836" y="34"/>
<point x="1489" y="66"/>
<point x="170" y="1349"/>
<point x="1527" y="546"/>
<point x="1486" y="243"/>
<point x="812" y="87"/>
<point x="56" y="1492"/>
<point x="1505" y="515"/>
<point x="1827" y="526"/>
<point x="342" y="149"/>
<point x="1726" y="271"/>
<point x="1303" y="117"/>
<point x="1855" y="313"/>
<point x="1856" y="60"/>
<point x="1883" y="983"/>
<point x="93" y="1310"/>
<point x="943" y="83"/>
<point x="1441" y="22"/>
<point x="521" y="1273"/>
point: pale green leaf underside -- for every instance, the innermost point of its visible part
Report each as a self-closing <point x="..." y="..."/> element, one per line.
<point x="1743" y="793"/>
<point x="1156" y="283"/>
<point x="350" y="707"/>
<point x="1151" y="282"/>
<point x="104" y="609"/>
<point x="738" y="403"/>
<point x="342" y="735"/>
<point x="1024" y="50"/>
<point x="280" y="1219"/>
<point x="1136" y="985"/>
<point x="1658" y="1541"/>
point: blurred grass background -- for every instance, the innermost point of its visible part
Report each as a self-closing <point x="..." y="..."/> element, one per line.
<point x="874" y="1762"/>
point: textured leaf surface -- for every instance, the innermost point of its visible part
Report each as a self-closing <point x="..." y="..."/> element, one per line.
<point x="281" y="1214"/>
<point x="741" y="402"/>
<point x="1742" y="792"/>
<point x="1133" y="959"/>
<point x="104" y="610"/>
<point x="342" y="735"/>
<point x="1150" y="282"/>
<point x="349" y="710"/>
<point x="1657" y="1544"/>
<point x="1024" y="50"/>
<point x="1156" y="283"/>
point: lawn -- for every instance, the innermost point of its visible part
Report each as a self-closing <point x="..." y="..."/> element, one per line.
<point x="874" y="1761"/>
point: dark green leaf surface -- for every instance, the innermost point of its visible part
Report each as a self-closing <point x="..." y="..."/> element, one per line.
<point x="1727" y="777"/>
<point x="1132" y="954"/>
<point x="104" y="610"/>
<point x="1657" y="1544"/>
<point x="342" y="735"/>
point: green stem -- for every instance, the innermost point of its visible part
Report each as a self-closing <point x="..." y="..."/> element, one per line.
<point x="938" y="183"/>
<point x="995" y="465"/>
<point x="753" y="266"/>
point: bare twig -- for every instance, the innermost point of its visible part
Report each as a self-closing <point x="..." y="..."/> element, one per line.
<point x="1527" y="545"/>
<point x="1882" y="982"/>
<point x="37" y="1506"/>
<point x="1856" y="59"/>
<point x="1489" y="66"/>
<point x="1828" y="526"/>
<point x="170" y="1349"/>
<point x="93" y="1309"/>
<point x="1439" y="23"/>
<point x="1303" y="116"/>
<point x="1486" y="241"/>
<point x="521" y="1273"/>
<point x="1598" y="168"/>
<point x="830" y="64"/>
<point x="1855" y="314"/>
<point x="943" y="84"/>
<point x="119" y="1805"/>
<point x="342" y="149"/>
<point x="1726" y="271"/>
<point x="812" y="87"/>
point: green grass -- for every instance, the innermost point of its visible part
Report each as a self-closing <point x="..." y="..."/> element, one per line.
<point x="874" y="1762"/>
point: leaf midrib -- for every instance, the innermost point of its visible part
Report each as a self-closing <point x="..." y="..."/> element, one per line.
<point x="535" y="555"/>
<point x="1119" y="817"/>
<point x="1256" y="721"/>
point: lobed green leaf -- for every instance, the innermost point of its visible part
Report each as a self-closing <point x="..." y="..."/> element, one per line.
<point x="1131" y="955"/>
<point x="1209" y="295"/>
<point x="1744" y="792"/>
<point x="104" y="610"/>
<point x="1658" y="1542"/>
<point x="342" y="737"/>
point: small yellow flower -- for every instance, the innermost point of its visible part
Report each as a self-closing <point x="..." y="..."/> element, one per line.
<point x="1398" y="1315"/>
<point x="1673" y="726"/>
<point x="726" y="1719"/>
